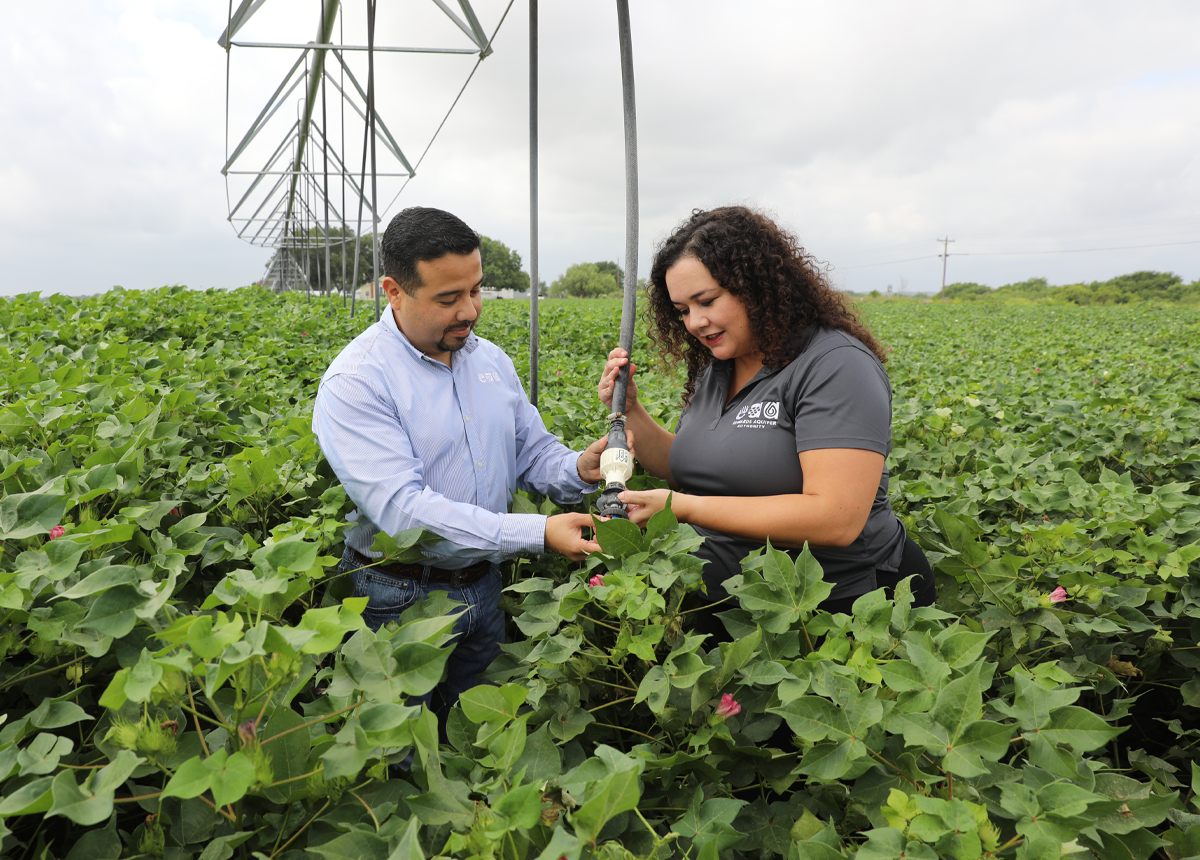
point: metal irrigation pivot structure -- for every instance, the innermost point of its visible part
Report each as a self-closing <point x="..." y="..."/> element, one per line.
<point x="616" y="463"/>
<point x="533" y="202"/>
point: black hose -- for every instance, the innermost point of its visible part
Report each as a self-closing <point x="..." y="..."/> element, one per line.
<point x="609" y="504"/>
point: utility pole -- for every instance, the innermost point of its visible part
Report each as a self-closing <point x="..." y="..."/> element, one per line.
<point x="945" y="253"/>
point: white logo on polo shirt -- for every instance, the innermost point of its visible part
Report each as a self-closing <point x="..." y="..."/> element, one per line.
<point x="489" y="377"/>
<point x="757" y="416"/>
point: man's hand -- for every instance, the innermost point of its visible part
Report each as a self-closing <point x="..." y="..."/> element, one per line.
<point x="588" y="464"/>
<point x="564" y="535"/>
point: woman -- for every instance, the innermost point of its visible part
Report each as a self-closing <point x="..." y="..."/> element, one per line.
<point x="787" y="412"/>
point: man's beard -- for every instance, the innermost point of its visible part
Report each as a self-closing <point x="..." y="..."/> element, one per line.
<point x="455" y="347"/>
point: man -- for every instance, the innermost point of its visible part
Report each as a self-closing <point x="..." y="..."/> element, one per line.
<point x="427" y="426"/>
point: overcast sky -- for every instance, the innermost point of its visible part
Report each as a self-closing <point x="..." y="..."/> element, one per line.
<point x="869" y="128"/>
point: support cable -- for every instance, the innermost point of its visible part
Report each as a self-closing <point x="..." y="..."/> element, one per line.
<point x="482" y="54"/>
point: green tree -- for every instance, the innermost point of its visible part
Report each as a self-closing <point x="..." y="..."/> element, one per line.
<point x="501" y="266"/>
<point x="607" y="267"/>
<point x="585" y="281"/>
<point x="966" y="290"/>
<point x="341" y="243"/>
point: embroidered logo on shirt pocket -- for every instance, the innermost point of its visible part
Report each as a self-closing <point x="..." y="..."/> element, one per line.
<point x="489" y="377"/>
<point x="757" y="416"/>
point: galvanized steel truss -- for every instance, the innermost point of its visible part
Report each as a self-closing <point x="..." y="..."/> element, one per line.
<point x="284" y="200"/>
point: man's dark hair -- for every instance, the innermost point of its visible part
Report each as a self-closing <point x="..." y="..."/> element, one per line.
<point x="421" y="233"/>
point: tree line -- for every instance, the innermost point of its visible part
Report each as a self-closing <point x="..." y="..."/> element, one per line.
<point x="501" y="267"/>
<point x="1158" y="287"/>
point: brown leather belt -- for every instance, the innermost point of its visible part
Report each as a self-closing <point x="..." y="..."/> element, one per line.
<point x="453" y="578"/>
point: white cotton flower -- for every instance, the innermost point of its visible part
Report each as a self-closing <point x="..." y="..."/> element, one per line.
<point x="1000" y="415"/>
<point x="1106" y="374"/>
<point x="944" y="412"/>
<point x="973" y="402"/>
<point x="957" y="429"/>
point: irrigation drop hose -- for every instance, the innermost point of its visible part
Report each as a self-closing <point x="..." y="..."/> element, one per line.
<point x="616" y="463"/>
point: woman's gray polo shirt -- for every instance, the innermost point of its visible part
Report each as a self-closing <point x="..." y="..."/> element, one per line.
<point x="834" y="394"/>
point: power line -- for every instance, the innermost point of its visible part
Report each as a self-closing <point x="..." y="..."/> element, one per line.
<point x="945" y="255"/>
<point x="1081" y="250"/>
<point x="1020" y="253"/>
<point x="890" y="262"/>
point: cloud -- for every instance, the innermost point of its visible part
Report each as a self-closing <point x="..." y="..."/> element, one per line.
<point x="869" y="128"/>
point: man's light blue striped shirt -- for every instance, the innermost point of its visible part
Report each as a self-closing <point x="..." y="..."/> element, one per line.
<point x="418" y="444"/>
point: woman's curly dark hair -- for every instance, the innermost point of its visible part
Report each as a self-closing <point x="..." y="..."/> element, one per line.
<point x="781" y="285"/>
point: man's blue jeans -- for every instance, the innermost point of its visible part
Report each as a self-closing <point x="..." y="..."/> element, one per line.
<point x="479" y="630"/>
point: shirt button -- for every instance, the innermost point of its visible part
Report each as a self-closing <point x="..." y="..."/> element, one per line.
<point x="478" y="464"/>
<point x="468" y="419"/>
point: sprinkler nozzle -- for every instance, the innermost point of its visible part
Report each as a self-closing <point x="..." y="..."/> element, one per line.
<point x="616" y="467"/>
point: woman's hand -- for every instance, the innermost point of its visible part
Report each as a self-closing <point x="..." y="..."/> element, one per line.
<point x="643" y="504"/>
<point x="617" y="359"/>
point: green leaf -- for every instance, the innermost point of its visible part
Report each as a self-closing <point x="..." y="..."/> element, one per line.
<point x="358" y="844"/>
<point x="541" y="761"/>
<point x="959" y="703"/>
<point x="616" y="793"/>
<point x="92" y="802"/>
<point x="618" y="538"/>
<point x="404" y="547"/>
<point x="142" y="677"/>
<point x="289" y="753"/>
<point x="1079" y="729"/>
<point x="102" y="580"/>
<point x="419" y="666"/>
<point x="113" y="612"/>
<point x="561" y="845"/>
<point x="291" y="555"/>
<point x="43" y="753"/>
<point x="784" y="590"/>
<point x="191" y="778"/>
<point x="485" y="703"/>
<point x="409" y="846"/>
<point x="56" y="713"/>
<point x="331" y="624"/>
<point x="27" y="514"/>
<point x="653" y="689"/>
<point x="521" y="807"/>
<point x="662" y="523"/>
<point x="230" y="778"/>
<point x="222" y="847"/>
<point x="30" y="799"/>
<point x="1138" y="845"/>
<point x="963" y="647"/>
<point x="981" y="739"/>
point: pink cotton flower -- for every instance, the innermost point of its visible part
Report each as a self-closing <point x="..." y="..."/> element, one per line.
<point x="1058" y="595"/>
<point x="598" y="579"/>
<point x="57" y="532"/>
<point x="175" y="512"/>
<point x="248" y="733"/>
<point x="729" y="707"/>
